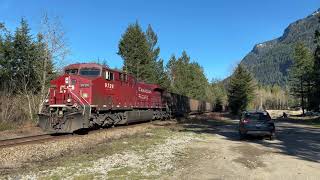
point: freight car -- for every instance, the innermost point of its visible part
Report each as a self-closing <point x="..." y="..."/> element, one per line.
<point x="180" y="105"/>
<point x="90" y="95"/>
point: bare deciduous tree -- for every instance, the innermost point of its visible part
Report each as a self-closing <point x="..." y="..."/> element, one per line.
<point x="56" y="49"/>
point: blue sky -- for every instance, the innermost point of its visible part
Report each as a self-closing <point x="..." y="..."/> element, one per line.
<point x="217" y="33"/>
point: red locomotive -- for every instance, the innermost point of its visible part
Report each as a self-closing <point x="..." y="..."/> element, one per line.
<point x="90" y="95"/>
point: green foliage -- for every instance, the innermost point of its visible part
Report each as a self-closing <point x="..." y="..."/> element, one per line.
<point x="316" y="71"/>
<point x="152" y="40"/>
<point x="140" y="53"/>
<point x="160" y="76"/>
<point x="218" y="95"/>
<point x="241" y="90"/>
<point x="300" y="74"/>
<point x="134" y="50"/>
<point x="303" y="64"/>
<point x="21" y="59"/>
<point x="187" y="78"/>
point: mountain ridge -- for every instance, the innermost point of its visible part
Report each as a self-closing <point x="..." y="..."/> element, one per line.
<point x="269" y="61"/>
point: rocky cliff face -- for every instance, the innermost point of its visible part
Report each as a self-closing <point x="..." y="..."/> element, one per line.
<point x="270" y="61"/>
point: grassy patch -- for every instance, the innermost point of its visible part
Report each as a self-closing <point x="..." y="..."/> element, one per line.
<point x="313" y="122"/>
<point x="84" y="177"/>
<point x="125" y="172"/>
<point x="7" y="126"/>
<point x="307" y="120"/>
<point x="70" y="163"/>
<point x="52" y="177"/>
<point x="147" y="155"/>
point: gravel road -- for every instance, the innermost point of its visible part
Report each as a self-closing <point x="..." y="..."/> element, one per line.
<point x="202" y="148"/>
<point x="294" y="154"/>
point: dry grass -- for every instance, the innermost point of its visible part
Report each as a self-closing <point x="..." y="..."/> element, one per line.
<point x="15" y="112"/>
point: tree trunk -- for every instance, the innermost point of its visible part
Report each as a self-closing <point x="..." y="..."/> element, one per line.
<point x="30" y="107"/>
<point x="309" y="96"/>
<point x="44" y="78"/>
<point x="302" y="96"/>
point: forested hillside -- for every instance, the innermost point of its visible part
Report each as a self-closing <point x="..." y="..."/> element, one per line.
<point x="270" y="61"/>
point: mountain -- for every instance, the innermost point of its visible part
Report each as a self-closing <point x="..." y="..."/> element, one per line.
<point x="270" y="61"/>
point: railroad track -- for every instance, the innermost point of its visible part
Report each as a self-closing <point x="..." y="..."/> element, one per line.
<point x="26" y="140"/>
<point x="47" y="137"/>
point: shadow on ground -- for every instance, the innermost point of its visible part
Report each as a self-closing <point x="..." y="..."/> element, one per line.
<point x="292" y="139"/>
<point x="304" y="120"/>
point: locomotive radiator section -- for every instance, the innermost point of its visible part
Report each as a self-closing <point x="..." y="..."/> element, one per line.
<point x="59" y="121"/>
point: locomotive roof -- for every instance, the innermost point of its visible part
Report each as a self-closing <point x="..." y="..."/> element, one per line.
<point x="84" y="65"/>
<point x="96" y="65"/>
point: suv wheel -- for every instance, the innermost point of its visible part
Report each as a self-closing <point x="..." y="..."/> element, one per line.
<point x="271" y="137"/>
<point x="242" y="135"/>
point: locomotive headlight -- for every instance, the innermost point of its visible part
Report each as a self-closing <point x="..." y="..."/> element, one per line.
<point x="46" y="101"/>
<point x="85" y="95"/>
<point x="69" y="100"/>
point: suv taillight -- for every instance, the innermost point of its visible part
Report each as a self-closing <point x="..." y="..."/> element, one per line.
<point x="245" y="121"/>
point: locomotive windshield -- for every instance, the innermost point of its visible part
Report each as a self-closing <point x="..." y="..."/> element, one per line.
<point x="92" y="72"/>
<point x="72" y="71"/>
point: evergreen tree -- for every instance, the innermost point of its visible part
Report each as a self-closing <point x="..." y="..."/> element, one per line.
<point x="135" y="51"/>
<point x="21" y="60"/>
<point x="24" y="59"/>
<point x="7" y="62"/>
<point x="316" y="72"/>
<point x="241" y="90"/>
<point x="198" y="82"/>
<point x="152" y="40"/>
<point x="171" y="70"/>
<point x="300" y="75"/>
<point x="219" y="94"/>
<point x="2" y="59"/>
<point x="180" y="72"/>
<point x="43" y="61"/>
<point x="187" y="78"/>
<point x="160" y="77"/>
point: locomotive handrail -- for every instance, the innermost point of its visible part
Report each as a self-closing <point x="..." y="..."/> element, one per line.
<point x="88" y="104"/>
<point x="84" y="107"/>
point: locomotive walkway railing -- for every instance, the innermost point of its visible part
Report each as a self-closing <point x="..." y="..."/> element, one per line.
<point x="79" y="100"/>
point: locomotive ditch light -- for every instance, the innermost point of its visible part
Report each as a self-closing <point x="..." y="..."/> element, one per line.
<point x="66" y="80"/>
<point x="85" y="95"/>
<point x="69" y="100"/>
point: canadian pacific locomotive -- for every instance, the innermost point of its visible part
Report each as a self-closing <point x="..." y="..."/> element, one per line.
<point x="90" y="95"/>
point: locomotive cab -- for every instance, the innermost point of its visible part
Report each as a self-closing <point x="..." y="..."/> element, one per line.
<point x="68" y="105"/>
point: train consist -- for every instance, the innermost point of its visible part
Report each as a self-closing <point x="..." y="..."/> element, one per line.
<point x="90" y="95"/>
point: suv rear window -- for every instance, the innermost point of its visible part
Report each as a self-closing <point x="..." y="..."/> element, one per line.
<point x="257" y="116"/>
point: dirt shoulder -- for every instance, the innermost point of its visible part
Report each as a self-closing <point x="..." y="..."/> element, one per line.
<point x="21" y="132"/>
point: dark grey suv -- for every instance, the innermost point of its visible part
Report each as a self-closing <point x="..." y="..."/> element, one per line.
<point x="256" y="123"/>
